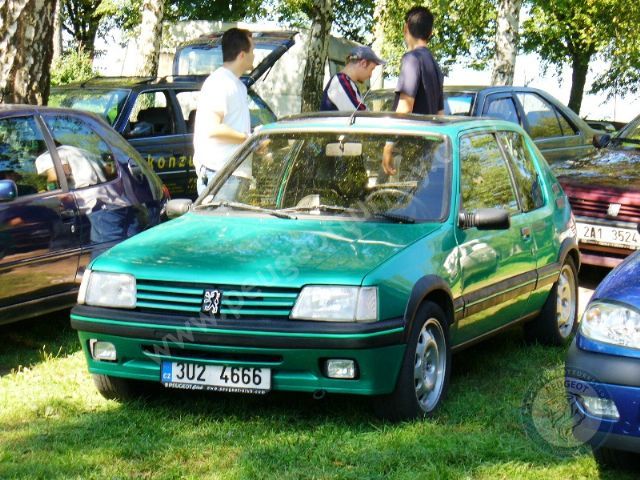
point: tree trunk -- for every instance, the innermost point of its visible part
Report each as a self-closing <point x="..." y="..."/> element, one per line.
<point x="580" y="65"/>
<point x="317" y="52"/>
<point x="377" y="79"/>
<point x="57" y="31"/>
<point x="150" y="37"/>
<point x="508" y="23"/>
<point x="26" y="43"/>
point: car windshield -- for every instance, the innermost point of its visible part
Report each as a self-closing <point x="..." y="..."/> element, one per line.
<point x="341" y="175"/>
<point x="455" y="103"/>
<point x="107" y="102"/>
<point x="458" y="103"/>
<point x="630" y="134"/>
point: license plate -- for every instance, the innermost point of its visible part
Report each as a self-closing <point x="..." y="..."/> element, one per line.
<point x="216" y="378"/>
<point x="612" y="236"/>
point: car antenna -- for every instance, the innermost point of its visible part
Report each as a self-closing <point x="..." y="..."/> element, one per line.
<point x="352" y="119"/>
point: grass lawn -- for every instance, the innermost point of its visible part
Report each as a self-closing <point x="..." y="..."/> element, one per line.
<point x="53" y="424"/>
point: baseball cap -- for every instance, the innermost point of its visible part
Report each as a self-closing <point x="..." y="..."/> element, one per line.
<point x="365" y="53"/>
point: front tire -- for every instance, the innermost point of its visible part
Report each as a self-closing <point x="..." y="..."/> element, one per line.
<point x="557" y="320"/>
<point x="424" y="375"/>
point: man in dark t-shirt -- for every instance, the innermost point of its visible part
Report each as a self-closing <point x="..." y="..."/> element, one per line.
<point x="419" y="88"/>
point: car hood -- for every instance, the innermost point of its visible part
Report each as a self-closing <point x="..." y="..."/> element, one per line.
<point x="250" y="250"/>
<point x="621" y="284"/>
<point x="607" y="168"/>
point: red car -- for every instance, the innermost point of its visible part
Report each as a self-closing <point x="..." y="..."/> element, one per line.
<point x="604" y="191"/>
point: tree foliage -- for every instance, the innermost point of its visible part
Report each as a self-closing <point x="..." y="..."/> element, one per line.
<point x="73" y="66"/>
<point x="574" y="32"/>
<point x="463" y="29"/>
<point x="81" y="19"/>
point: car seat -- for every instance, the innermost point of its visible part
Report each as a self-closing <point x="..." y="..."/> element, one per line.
<point x="159" y="118"/>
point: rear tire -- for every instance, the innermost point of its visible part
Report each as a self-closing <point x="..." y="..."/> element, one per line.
<point x="424" y="375"/>
<point x="120" y="389"/>
<point x="617" y="459"/>
<point x="557" y="320"/>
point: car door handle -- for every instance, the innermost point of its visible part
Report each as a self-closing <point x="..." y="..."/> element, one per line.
<point x="525" y="232"/>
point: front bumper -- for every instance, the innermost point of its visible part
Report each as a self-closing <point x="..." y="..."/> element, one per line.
<point x="611" y="377"/>
<point x="294" y="351"/>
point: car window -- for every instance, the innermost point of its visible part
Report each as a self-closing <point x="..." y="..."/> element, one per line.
<point x="503" y="108"/>
<point x="343" y="172"/>
<point x="541" y="116"/>
<point x="485" y="179"/>
<point x="260" y="114"/>
<point x="21" y="144"/>
<point x="86" y="158"/>
<point x="105" y="102"/>
<point x="151" y="116"/>
<point x="524" y="172"/>
<point x="188" y="101"/>
<point x="567" y="128"/>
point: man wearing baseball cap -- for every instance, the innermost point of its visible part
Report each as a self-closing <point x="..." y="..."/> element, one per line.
<point x="341" y="93"/>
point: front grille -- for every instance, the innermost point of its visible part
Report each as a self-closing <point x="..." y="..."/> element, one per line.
<point x="582" y="207"/>
<point x="237" y="301"/>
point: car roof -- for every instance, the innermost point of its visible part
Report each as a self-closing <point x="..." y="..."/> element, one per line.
<point x="386" y="120"/>
<point x="134" y="82"/>
<point x="475" y="89"/>
<point x="258" y="37"/>
<point x="20" y="109"/>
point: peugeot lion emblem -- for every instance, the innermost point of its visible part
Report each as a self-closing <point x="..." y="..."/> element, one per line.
<point x="614" y="209"/>
<point x="211" y="301"/>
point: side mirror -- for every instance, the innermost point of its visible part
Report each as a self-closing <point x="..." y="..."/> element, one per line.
<point x="178" y="207"/>
<point x="142" y="129"/>
<point x="485" y="219"/>
<point x="601" y="140"/>
<point x="8" y="190"/>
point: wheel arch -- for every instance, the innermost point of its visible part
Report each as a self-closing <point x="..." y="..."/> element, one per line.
<point x="569" y="249"/>
<point x="428" y="288"/>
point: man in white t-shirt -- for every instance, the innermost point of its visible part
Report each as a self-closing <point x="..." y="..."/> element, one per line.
<point x="222" y="118"/>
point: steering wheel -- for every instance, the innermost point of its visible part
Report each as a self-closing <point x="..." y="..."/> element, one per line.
<point x="395" y="192"/>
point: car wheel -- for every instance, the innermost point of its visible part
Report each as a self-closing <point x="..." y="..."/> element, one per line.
<point x="617" y="459"/>
<point x="424" y="374"/>
<point x="121" y="389"/>
<point x="557" y="320"/>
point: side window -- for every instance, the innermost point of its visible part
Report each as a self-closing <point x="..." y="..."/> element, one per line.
<point x="524" y="172"/>
<point x="21" y="148"/>
<point x="260" y="114"/>
<point x="503" y="108"/>
<point x="151" y="116"/>
<point x="541" y="117"/>
<point x="567" y="128"/>
<point x="86" y="158"/>
<point x="485" y="180"/>
<point x="188" y="101"/>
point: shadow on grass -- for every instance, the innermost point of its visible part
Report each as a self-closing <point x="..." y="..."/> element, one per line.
<point x="31" y="341"/>
<point x="174" y="434"/>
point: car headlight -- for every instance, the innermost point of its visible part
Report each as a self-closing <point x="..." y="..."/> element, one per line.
<point x="103" y="289"/>
<point x="337" y="304"/>
<point x="611" y="323"/>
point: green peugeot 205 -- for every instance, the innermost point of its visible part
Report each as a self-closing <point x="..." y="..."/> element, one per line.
<point x="312" y="265"/>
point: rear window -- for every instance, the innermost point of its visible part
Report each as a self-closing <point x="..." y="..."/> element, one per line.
<point x="202" y="59"/>
<point x="458" y="103"/>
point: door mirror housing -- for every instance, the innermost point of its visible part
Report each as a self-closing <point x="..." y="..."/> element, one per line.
<point x="178" y="207"/>
<point x="601" y="140"/>
<point x="485" y="219"/>
<point x="8" y="190"/>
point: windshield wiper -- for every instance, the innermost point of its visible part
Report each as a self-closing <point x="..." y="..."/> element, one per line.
<point x="244" y="206"/>
<point x="394" y="217"/>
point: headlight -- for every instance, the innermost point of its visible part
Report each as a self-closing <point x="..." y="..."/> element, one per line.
<point x="337" y="304"/>
<point x="611" y="323"/>
<point x="102" y="289"/>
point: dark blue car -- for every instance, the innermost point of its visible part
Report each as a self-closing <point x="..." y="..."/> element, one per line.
<point x="603" y="369"/>
<point x="70" y="187"/>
